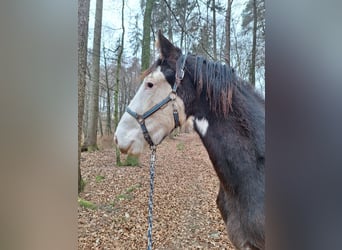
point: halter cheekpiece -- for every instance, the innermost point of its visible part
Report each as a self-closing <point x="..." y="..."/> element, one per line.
<point x="171" y="97"/>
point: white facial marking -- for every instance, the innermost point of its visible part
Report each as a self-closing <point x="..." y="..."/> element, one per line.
<point x="202" y="125"/>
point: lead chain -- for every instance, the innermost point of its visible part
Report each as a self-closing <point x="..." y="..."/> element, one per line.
<point x="150" y="200"/>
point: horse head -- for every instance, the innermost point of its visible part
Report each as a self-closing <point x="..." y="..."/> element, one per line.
<point x="153" y="106"/>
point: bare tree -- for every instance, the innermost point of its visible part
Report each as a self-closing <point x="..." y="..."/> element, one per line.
<point x="255" y="25"/>
<point x="117" y="83"/>
<point x="83" y="20"/>
<point x="91" y="139"/>
<point x="228" y="19"/>
<point x="100" y="123"/>
<point x="214" y="29"/>
<point x="146" y="42"/>
<point x="169" y="23"/>
<point x="108" y="130"/>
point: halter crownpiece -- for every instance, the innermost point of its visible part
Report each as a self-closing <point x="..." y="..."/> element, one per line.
<point x="171" y="97"/>
<point x="179" y="71"/>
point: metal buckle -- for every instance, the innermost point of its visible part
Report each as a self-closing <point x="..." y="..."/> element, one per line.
<point x="181" y="74"/>
<point x="140" y="120"/>
<point x="173" y="95"/>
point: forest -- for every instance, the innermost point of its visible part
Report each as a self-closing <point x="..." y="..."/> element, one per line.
<point x="116" y="43"/>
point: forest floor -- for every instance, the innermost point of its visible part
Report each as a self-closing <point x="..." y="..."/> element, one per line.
<point x="185" y="212"/>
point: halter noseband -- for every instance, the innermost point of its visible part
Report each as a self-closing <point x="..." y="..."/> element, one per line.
<point x="171" y="97"/>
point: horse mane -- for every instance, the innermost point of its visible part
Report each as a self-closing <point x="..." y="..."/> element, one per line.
<point x="217" y="80"/>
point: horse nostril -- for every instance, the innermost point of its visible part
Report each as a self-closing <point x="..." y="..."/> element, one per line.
<point x="115" y="140"/>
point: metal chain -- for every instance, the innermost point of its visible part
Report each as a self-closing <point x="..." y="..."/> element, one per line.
<point x="150" y="200"/>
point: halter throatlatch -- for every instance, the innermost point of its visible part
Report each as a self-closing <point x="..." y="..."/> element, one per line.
<point x="171" y="97"/>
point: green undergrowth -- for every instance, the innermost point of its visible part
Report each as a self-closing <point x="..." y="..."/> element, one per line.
<point x="133" y="188"/>
<point x="131" y="161"/>
<point x="99" y="178"/>
<point x="92" y="148"/>
<point x="127" y="194"/>
<point x="124" y="196"/>
<point x="86" y="204"/>
<point x="180" y="146"/>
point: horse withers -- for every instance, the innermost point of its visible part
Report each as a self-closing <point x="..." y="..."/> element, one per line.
<point x="229" y="117"/>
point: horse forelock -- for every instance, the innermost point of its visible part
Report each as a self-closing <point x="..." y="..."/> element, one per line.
<point x="170" y="62"/>
<point x="152" y="68"/>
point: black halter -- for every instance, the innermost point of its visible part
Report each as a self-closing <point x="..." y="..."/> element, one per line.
<point x="171" y="97"/>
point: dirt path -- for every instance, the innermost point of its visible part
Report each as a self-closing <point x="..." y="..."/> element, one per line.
<point x="185" y="212"/>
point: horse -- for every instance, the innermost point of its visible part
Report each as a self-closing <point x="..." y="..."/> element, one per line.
<point x="229" y="117"/>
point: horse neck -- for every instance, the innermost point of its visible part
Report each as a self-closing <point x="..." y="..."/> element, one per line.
<point x="235" y="144"/>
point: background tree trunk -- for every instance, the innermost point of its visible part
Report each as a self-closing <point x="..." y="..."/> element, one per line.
<point x="255" y="26"/>
<point x="228" y="19"/>
<point x="100" y="124"/>
<point x="146" y="50"/>
<point x="117" y="84"/>
<point x="83" y="20"/>
<point x="237" y="52"/>
<point x="91" y="139"/>
<point x="108" y="130"/>
<point x="85" y="116"/>
<point x="169" y="23"/>
<point x="214" y="30"/>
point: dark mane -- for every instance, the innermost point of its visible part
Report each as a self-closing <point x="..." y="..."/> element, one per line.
<point x="217" y="80"/>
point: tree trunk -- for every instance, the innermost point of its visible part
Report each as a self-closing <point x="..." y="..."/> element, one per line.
<point x="146" y="50"/>
<point x="238" y="59"/>
<point x="83" y="20"/>
<point x="228" y="18"/>
<point x="108" y="124"/>
<point x="169" y="23"/>
<point x="214" y="30"/>
<point x="182" y="19"/>
<point x="117" y="83"/>
<point x="100" y="125"/>
<point x="91" y="140"/>
<point x="85" y="115"/>
<point x="252" y="65"/>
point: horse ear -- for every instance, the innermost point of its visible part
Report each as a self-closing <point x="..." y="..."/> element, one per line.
<point x="166" y="48"/>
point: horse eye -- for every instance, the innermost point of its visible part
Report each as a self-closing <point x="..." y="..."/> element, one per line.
<point x="149" y="84"/>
